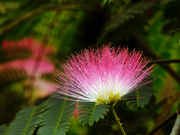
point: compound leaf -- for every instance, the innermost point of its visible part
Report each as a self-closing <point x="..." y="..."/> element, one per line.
<point x="90" y="112"/>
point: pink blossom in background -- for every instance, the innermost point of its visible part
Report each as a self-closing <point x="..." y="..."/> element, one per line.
<point x="103" y="75"/>
<point x="37" y="49"/>
<point x="44" y="66"/>
<point x="28" y="44"/>
<point x="42" y="88"/>
<point x="27" y="65"/>
<point x="35" y="65"/>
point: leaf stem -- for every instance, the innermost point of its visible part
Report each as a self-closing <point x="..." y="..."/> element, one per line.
<point x="117" y="120"/>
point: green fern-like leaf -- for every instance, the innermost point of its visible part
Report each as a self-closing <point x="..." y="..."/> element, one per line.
<point x="57" y="117"/>
<point x="127" y="14"/>
<point x="37" y="118"/>
<point x="166" y="45"/>
<point x="10" y="76"/>
<point x="3" y="130"/>
<point x="104" y="2"/>
<point x="139" y="97"/>
<point x="22" y="121"/>
<point x="27" y="120"/>
<point x="90" y="112"/>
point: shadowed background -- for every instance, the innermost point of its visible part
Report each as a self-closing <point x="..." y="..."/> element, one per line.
<point x="36" y="35"/>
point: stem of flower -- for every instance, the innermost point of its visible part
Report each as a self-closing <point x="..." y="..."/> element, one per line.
<point x="117" y="120"/>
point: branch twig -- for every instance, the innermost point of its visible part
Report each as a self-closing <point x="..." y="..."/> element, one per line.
<point x="165" y="61"/>
<point x="39" y="58"/>
<point x="148" y="51"/>
<point x="171" y="117"/>
<point x="39" y="11"/>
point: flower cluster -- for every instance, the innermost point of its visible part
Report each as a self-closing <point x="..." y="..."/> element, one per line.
<point x="29" y="56"/>
<point x="28" y="45"/>
<point x="103" y="75"/>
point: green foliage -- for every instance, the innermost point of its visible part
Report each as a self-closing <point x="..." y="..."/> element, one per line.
<point x="165" y="46"/>
<point x="140" y="97"/>
<point x="22" y="121"/>
<point x="104" y="2"/>
<point x="76" y="128"/>
<point x="127" y="14"/>
<point x="103" y="127"/>
<point x="3" y="129"/>
<point x="7" y="79"/>
<point x="50" y="118"/>
<point x="11" y="99"/>
<point x="71" y="25"/>
<point x="37" y="118"/>
<point x="26" y="120"/>
<point x="90" y="112"/>
<point x="57" y="117"/>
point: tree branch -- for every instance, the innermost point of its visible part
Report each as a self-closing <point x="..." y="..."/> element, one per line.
<point x="32" y="14"/>
<point x="171" y="117"/>
<point x="165" y="61"/>
<point x="39" y="11"/>
<point x="39" y="57"/>
<point x="148" y="51"/>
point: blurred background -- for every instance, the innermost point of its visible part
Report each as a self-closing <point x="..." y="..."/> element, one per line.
<point x="36" y="35"/>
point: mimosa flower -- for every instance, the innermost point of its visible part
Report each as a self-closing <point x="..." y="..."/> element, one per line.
<point x="103" y="75"/>
<point x="27" y="45"/>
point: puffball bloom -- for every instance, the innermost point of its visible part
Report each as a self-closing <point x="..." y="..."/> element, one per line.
<point x="103" y="75"/>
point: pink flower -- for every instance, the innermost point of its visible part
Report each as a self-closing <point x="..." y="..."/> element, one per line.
<point x="103" y="75"/>
<point x="36" y="49"/>
<point x="44" y="66"/>
<point x="28" y="60"/>
<point x="27" y="45"/>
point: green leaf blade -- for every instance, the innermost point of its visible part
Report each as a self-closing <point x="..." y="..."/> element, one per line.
<point x="22" y="121"/>
<point x="3" y="130"/>
<point x="57" y="118"/>
<point x="90" y="112"/>
<point x="140" y="97"/>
